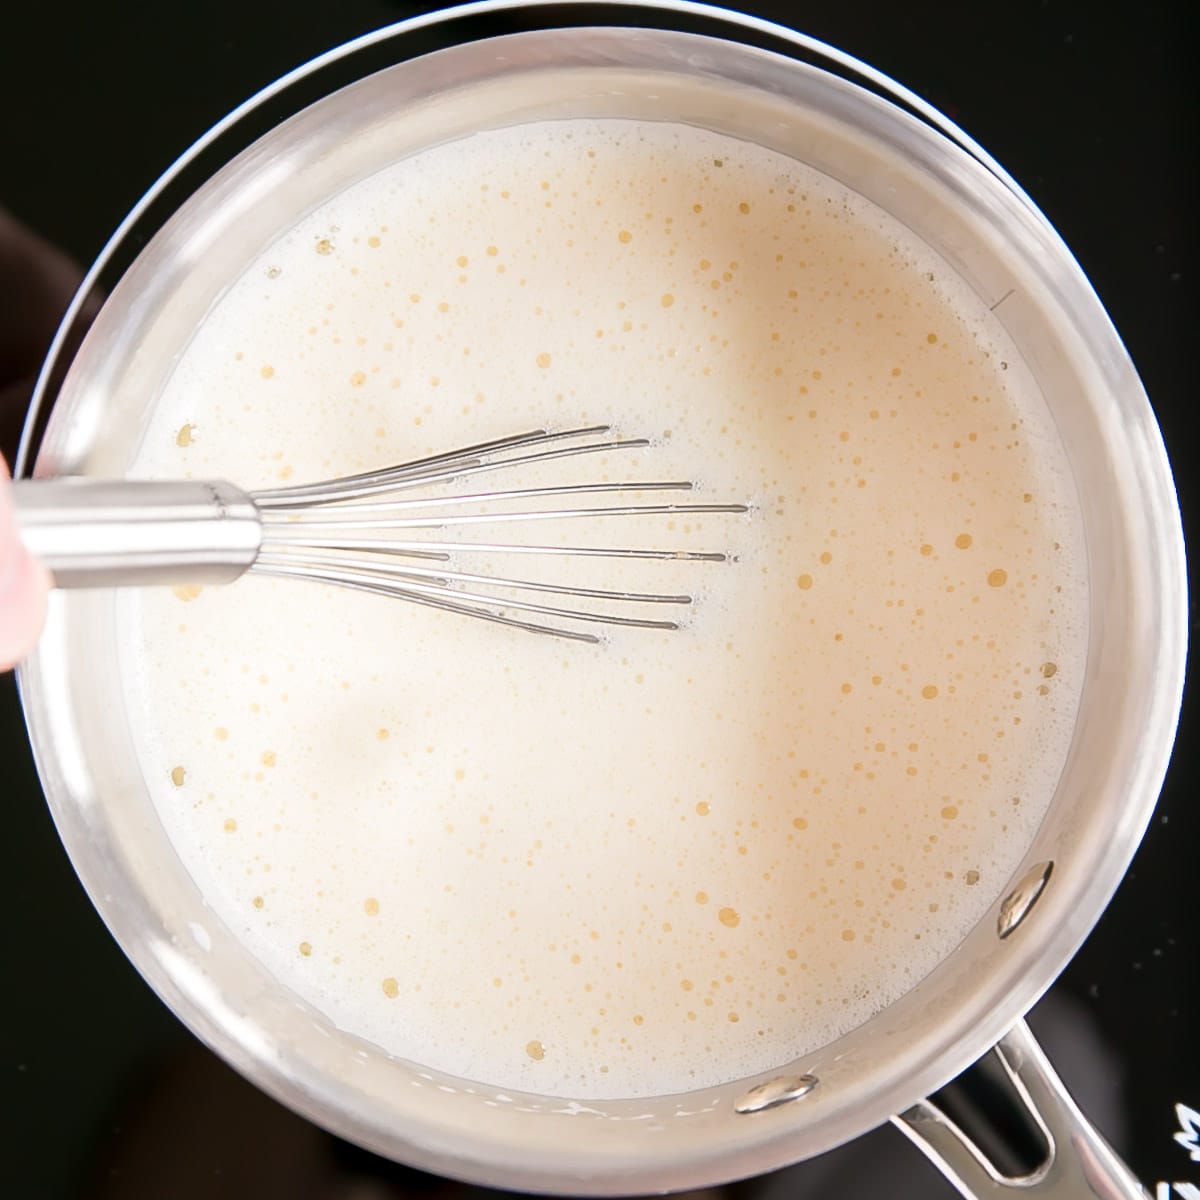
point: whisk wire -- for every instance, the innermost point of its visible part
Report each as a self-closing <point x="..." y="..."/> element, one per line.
<point x="315" y="531"/>
<point x="370" y="581"/>
<point x="442" y="521"/>
<point x="282" y="563"/>
<point x="359" y="507"/>
<point x="440" y="469"/>
<point x="433" y="461"/>
<point x="295" y="537"/>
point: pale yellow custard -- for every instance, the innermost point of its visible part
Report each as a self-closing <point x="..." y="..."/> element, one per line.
<point x="676" y="858"/>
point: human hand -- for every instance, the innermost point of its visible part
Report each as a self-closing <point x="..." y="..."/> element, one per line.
<point x="24" y="585"/>
<point x="36" y="283"/>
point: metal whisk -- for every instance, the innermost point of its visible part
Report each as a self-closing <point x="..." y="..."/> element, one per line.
<point x="356" y="532"/>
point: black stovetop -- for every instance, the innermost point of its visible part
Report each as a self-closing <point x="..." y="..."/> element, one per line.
<point x="1090" y="107"/>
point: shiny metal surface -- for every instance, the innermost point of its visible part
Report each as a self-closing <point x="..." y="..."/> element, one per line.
<point x="111" y="533"/>
<point x="1016" y="906"/>
<point x="1080" y="1165"/>
<point x="928" y="175"/>
<point x="775" y="1092"/>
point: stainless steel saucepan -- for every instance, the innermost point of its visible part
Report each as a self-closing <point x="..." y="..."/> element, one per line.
<point x="353" y="111"/>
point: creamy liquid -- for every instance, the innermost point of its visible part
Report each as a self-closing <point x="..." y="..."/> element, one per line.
<point x="676" y="858"/>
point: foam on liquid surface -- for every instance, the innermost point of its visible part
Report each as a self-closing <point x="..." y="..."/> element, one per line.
<point x="678" y="858"/>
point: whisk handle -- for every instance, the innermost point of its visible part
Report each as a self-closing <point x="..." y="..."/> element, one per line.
<point x="114" y="533"/>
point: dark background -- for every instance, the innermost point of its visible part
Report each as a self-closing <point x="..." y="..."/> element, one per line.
<point x="103" y="1093"/>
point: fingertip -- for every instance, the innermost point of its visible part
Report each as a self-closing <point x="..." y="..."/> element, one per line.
<point x="24" y="594"/>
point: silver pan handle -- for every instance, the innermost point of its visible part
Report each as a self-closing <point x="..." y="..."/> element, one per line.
<point x="1079" y="1164"/>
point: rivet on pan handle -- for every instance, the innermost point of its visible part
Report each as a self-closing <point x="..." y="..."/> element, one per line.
<point x="1016" y="906"/>
<point x="774" y="1093"/>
